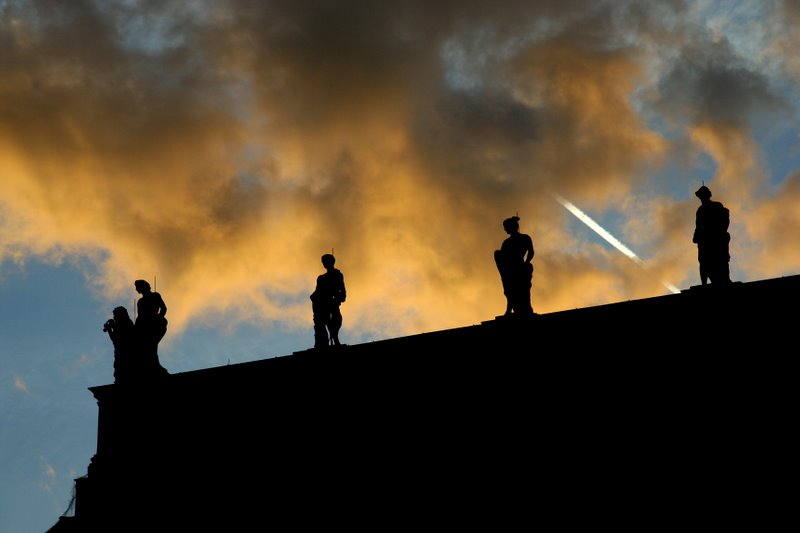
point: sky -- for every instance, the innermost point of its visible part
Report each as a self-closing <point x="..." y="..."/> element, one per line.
<point x="217" y="148"/>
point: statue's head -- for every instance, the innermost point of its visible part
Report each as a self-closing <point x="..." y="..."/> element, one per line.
<point x="328" y="260"/>
<point x="703" y="193"/>
<point x="511" y="224"/>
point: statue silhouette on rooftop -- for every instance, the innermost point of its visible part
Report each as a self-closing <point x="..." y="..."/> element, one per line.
<point x="150" y="325"/>
<point x="514" y="262"/>
<point x="121" y="331"/>
<point x="325" y="301"/>
<point x="712" y="239"/>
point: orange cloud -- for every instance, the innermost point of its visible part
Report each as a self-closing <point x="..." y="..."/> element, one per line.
<point x="223" y="152"/>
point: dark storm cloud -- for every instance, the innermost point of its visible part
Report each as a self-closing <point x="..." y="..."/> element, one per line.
<point x="710" y="83"/>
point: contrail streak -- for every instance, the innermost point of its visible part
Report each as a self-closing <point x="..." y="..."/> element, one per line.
<point x="586" y="219"/>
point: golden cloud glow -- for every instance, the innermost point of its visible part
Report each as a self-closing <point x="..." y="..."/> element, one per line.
<point x="224" y="152"/>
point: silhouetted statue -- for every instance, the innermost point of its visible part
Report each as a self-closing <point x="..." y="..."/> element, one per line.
<point x="325" y="300"/>
<point x="121" y="331"/>
<point x="712" y="238"/>
<point x="150" y="325"/>
<point x="516" y="269"/>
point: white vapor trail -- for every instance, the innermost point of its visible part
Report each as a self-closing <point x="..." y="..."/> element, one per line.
<point x="586" y="219"/>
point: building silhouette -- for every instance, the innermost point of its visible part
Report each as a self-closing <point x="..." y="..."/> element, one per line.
<point x="667" y="411"/>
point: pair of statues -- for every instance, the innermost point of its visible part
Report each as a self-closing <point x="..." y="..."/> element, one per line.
<point x="514" y="261"/>
<point x="136" y="343"/>
<point x="514" y="258"/>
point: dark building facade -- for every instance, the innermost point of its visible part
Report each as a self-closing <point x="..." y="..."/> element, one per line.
<point x="669" y="411"/>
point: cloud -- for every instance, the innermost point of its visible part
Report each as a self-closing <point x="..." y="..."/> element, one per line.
<point x="222" y="147"/>
<point x="21" y="385"/>
<point x="49" y="475"/>
<point x="774" y="226"/>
